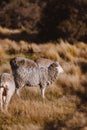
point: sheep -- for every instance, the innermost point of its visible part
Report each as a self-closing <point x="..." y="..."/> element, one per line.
<point x="29" y="73"/>
<point x="7" y="89"/>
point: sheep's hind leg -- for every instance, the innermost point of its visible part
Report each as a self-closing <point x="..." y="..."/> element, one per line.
<point x="5" y="104"/>
<point x="18" y="91"/>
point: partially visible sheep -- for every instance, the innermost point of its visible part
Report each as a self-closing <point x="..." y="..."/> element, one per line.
<point x="29" y="73"/>
<point x="7" y="89"/>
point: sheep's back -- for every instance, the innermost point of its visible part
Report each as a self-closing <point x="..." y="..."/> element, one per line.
<point x="43" y="62"/>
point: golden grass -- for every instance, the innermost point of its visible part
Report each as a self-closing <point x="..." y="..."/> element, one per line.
<point x="36" y="111"/>
<point x="65" y="106"/>
<point x="9" y="31"/>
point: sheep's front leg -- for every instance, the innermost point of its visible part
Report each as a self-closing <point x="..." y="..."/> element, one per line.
<point x="1" y="99"/>
<point x="43" y="92"/>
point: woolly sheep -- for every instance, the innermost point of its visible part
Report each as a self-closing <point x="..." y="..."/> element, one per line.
<point x="30" y="73"/>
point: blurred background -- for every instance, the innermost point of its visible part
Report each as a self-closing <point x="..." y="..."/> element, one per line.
<point x="46" y="20"/>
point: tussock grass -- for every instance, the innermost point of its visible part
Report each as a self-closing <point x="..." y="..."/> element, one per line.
<point x="1" y="52"/>
<point x="78" y="120"/>
<point x="37" y="111"/>
<point x="65" y="105"/>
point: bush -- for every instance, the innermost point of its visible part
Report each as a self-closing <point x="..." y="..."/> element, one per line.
<point x="49" y="20"/>
<point x="64" y="19"/>
<point x="19" y="13"/>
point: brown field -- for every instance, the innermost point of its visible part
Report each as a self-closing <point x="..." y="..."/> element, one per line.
<point x="65" y="106"/>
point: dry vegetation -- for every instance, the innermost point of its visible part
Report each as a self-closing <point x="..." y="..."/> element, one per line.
<point x="65" y="106"/>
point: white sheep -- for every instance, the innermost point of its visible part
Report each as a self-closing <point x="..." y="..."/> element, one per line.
<point x="7" y="89"/>
<point x="30" y="73"/>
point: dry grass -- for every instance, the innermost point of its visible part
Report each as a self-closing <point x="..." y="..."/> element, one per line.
<point x="9" y="31"/>
<point x="65" y="106"/>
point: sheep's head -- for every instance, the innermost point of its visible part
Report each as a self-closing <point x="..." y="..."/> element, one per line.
<point x="59" y="68"/>
<point x="54" y="70"/>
